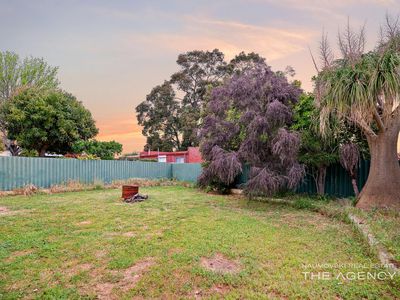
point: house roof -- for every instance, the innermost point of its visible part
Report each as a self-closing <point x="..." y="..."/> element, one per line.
<point x="157" y="153"/>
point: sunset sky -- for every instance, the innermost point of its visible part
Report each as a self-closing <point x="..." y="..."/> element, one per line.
<point x="111" y="53"/>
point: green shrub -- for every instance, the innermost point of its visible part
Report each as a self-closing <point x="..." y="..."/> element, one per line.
<point x="304" y="203"/>
<point x="29" y="153"/>
<point x="88" y="157"/>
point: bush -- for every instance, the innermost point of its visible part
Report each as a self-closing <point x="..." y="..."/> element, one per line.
<point x="29" y="153"/>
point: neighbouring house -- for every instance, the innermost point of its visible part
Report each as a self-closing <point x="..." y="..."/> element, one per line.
<point x="192" y="155"/>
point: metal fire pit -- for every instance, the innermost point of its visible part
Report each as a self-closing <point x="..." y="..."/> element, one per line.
<point x="128" y="191"/>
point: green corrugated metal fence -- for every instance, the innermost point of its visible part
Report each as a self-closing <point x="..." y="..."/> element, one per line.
<point x="337" y="182"/>
<point x="186" y="172"/>
<point x="16" y="172"/>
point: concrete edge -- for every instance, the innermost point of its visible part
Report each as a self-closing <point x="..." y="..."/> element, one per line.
<point x="385" y="258"/>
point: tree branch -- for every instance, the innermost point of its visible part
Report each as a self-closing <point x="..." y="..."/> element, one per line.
<point x="394" y="116"/>
<point x="396" y="111"/>
<point x="378" y="120"/>
<point x="313" y="60"/>
<point x="365" y="128"/>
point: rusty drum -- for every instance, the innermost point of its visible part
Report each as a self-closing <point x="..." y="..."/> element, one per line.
<point x="129" y="191"/>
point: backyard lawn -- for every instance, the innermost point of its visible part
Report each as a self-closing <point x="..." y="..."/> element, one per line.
<point x="181" y="243"/>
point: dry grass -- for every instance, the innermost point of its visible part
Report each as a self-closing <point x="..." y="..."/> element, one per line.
<point x="27" y="190"/>
<point x="76" y="186"/>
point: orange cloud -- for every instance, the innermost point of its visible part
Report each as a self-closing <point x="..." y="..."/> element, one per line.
<point x="125" y="131"/>
<point x="231" y="38"/>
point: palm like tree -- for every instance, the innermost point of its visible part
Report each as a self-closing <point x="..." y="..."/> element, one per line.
<point x="364" y="89"/>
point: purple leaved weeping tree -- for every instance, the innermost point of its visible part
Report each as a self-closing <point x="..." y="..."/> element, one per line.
<point x="246" y="123"/>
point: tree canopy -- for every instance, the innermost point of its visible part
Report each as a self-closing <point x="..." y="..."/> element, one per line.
<point x="317" y="152"/>
<point x="247" y="122"/>
<point x="16" y="73"/>
<point x="172" y="113"/>
<point x="160" y="117"/>
<point x="102" y="150"/>
<point x="46" y="120"/>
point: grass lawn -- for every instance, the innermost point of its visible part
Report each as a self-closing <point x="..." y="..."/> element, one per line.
<point x="90" y="244"/>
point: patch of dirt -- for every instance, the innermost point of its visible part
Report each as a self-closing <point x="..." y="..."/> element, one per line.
<point x="111" y="234"/>
<point x="74" y="267"/>
<point x="79" y="268"/>
<point x="197" y="294"/>
<point x="155" y="234"/>
<point x="133" y="273"/>
<point x="217" y="290"/>
<point x="220" y="264"/>
<point x="6" y="193"/>
<point x="276" y="295"/>
<point x="320" y="222"/>
<point x="129" y="234"/>
<point x="129" y="278"/>
<point x="104" y="290"/>
<point x="22" y="253"/>
<point x="83" y="223"/>
<point x="100" y="253"/>
<point x="85" y="267"/>
<point x="395" y="262"/>
<point x="17" y="254"/>
<point x="220" y="289"/>
<point x="174" y="251"/>
<point x="289" y="218"/>
<point x="4" y="209"/>
<point x="46" y="275"/>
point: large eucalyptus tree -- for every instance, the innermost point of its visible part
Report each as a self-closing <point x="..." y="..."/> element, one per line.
<point x="364" y="88"/>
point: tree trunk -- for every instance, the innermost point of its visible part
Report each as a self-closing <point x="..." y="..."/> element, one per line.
<point x="355" y="187"/>
<point x="382" y="189"/>
<point x="353" y="176"/>
<point x="42" y="151"/>
<point x="320" y="180"/>
<point x="14" y="149"/>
